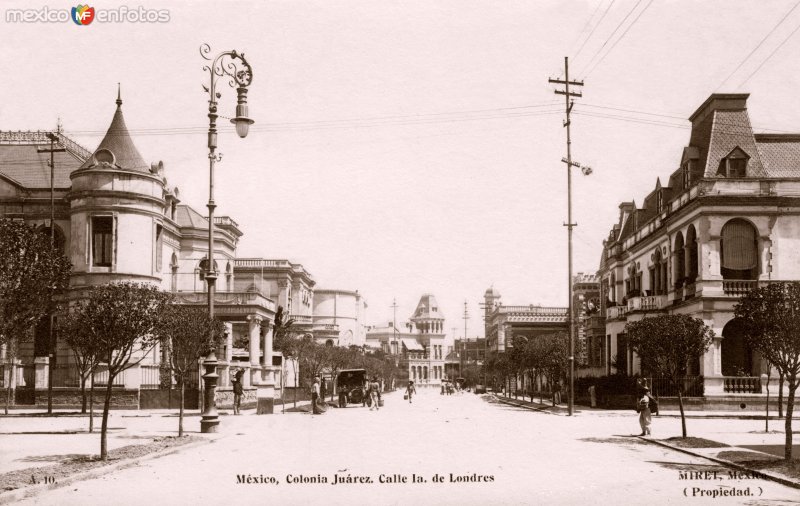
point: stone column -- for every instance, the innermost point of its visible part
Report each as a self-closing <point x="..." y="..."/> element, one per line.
<point x="253" y="332"/>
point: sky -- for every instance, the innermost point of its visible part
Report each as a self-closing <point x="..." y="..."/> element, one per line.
<point x="410" y="147"/>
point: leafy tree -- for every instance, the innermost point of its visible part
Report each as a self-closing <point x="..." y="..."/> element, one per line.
<point x="283" y="332"/>
<point x="771" y="321"/>
<point x="666" y="344"/>
<point x="87" y="357"/>
<point x="187" y="335"/>
<point x="123" y="321"/>
<point x="31" y="272"/>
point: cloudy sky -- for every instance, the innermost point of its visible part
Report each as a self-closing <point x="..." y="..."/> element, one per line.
<point x="403" y="147"/>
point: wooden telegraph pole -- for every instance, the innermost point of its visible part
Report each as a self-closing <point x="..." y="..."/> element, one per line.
<point x="51" y="345"/>
<point x="569" y="103"/>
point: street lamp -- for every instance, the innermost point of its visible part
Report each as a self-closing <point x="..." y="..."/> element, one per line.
<point x="234" y="66"/>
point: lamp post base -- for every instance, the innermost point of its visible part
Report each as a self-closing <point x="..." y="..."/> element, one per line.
<point x="210" y="420"/>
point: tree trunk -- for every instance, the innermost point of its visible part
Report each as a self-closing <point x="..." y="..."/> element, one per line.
<point x="12" y="377"/>
<point x="683" y="415"/>
<point x="295" y="387"/>
<point x="787" y="451"/>
<point x="91" y="404"/>
<point x="8" y="389"/>
<point x="180" y="412"/>
<point x="766" y="415"/>
<point x="104" y="425"/>
<point x="83" y="393"/>
<point x="780" y="395"/>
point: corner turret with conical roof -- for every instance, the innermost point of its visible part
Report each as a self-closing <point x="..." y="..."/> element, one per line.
<point x="117" y="206"/>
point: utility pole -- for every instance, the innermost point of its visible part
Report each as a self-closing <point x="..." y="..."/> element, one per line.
<point x="464" y="342"/>
<point x="50" y="344"/>
<point x="394" y="327"/>
<point x="569" y="103"/>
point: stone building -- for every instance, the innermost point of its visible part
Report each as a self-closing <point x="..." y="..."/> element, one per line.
<point x="117" y="219"/>
<point x="725" y="221"/>
<point x="420" y="347"/>
<point x="338" y="317"/>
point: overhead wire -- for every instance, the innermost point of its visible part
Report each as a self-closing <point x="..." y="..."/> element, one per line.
<point x="612" y="34"/>
<point x="759" y="45"/>
<point x="575" y="57"/>
<point x="770" y="56"/>
<point x="619" y="39"/>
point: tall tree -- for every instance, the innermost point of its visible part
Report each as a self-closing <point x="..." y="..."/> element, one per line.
<point x="187" y="335"/>
<point x="123" y="320"/>
<point x="666" y="344"/>
<point x="31" y="272"/>
<point x="771" y="321"/>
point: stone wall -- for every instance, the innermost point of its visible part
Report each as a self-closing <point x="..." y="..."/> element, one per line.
<point x="224" y="398"/>
<point x="70" y="398"/>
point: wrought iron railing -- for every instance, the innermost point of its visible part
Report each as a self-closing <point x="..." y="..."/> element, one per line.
<point x="664" y="387"/>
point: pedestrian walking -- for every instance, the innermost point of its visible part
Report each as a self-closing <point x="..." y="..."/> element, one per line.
<point x="410" y="391"/>
<point x="374" y="394"/>
<point x="315" y="409"/>
<point x="238" y="391"/>
<point x="646" y="406"/>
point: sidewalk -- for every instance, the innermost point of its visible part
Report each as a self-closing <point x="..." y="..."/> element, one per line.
<point x="753" y="451"/>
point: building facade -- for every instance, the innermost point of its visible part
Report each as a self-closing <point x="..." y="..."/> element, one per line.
<point x="420" y="346"/>
<point x="339" y="316"/>
<point x="725" y="222"/>
<point x="117" y="219"/>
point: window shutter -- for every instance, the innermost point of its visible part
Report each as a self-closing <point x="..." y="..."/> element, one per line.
<point x="739" y="246"/>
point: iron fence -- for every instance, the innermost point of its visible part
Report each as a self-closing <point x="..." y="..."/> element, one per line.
<point x="665" y="387"/>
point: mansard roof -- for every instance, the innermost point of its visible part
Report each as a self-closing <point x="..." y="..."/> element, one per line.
<point x="118" y="141"/>
<point x="427" y="307"/>
<point x="23" y="164"/>
<point x="780" y="154"/>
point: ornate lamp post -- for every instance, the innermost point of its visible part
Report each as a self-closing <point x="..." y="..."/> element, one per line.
<point x="232" y="65"/>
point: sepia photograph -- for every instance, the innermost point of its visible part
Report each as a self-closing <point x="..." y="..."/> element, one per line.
<point x="385" y="252"/>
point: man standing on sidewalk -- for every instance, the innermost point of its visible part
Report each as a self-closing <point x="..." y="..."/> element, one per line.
<point x="315" y="397"/>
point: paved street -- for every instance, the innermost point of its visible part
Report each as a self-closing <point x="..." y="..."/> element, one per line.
<point x="519" y="456"/>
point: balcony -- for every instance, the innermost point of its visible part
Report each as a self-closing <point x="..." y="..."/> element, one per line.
<point x="616" y="312"/>
<point x="300" y="319"/>
<point x="647" y="303"/>
<point x="738" y="287"/>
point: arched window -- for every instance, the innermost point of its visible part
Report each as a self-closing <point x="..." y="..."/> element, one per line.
<point x="691" y="255"/>
<point x="173" y="266"/>
<point x="739" y="250"/>
<point x="679" y="255"/>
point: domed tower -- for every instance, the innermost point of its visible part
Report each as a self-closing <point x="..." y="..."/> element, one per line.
<point x="117" y="204"/>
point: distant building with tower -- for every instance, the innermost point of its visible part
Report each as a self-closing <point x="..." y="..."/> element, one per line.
<point x="420" y="344"/>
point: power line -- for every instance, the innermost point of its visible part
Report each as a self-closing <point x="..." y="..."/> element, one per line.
<point x="619" y="39"/>
<point x="595" y="27"/>
<point x="770" y="56"/>
<point x="759" y="44"/>
<point x="612" y="33"/>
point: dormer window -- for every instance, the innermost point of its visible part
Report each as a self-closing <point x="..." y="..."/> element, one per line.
<point x="660" y="202"/>
<point x="687" y="174"/>
<point x="735" y="164"/>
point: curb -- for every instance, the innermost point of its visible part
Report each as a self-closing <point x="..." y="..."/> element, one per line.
<point x="727" y="463"/>
<point x="11" y="497"/>
<point x="526" y="406"/>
